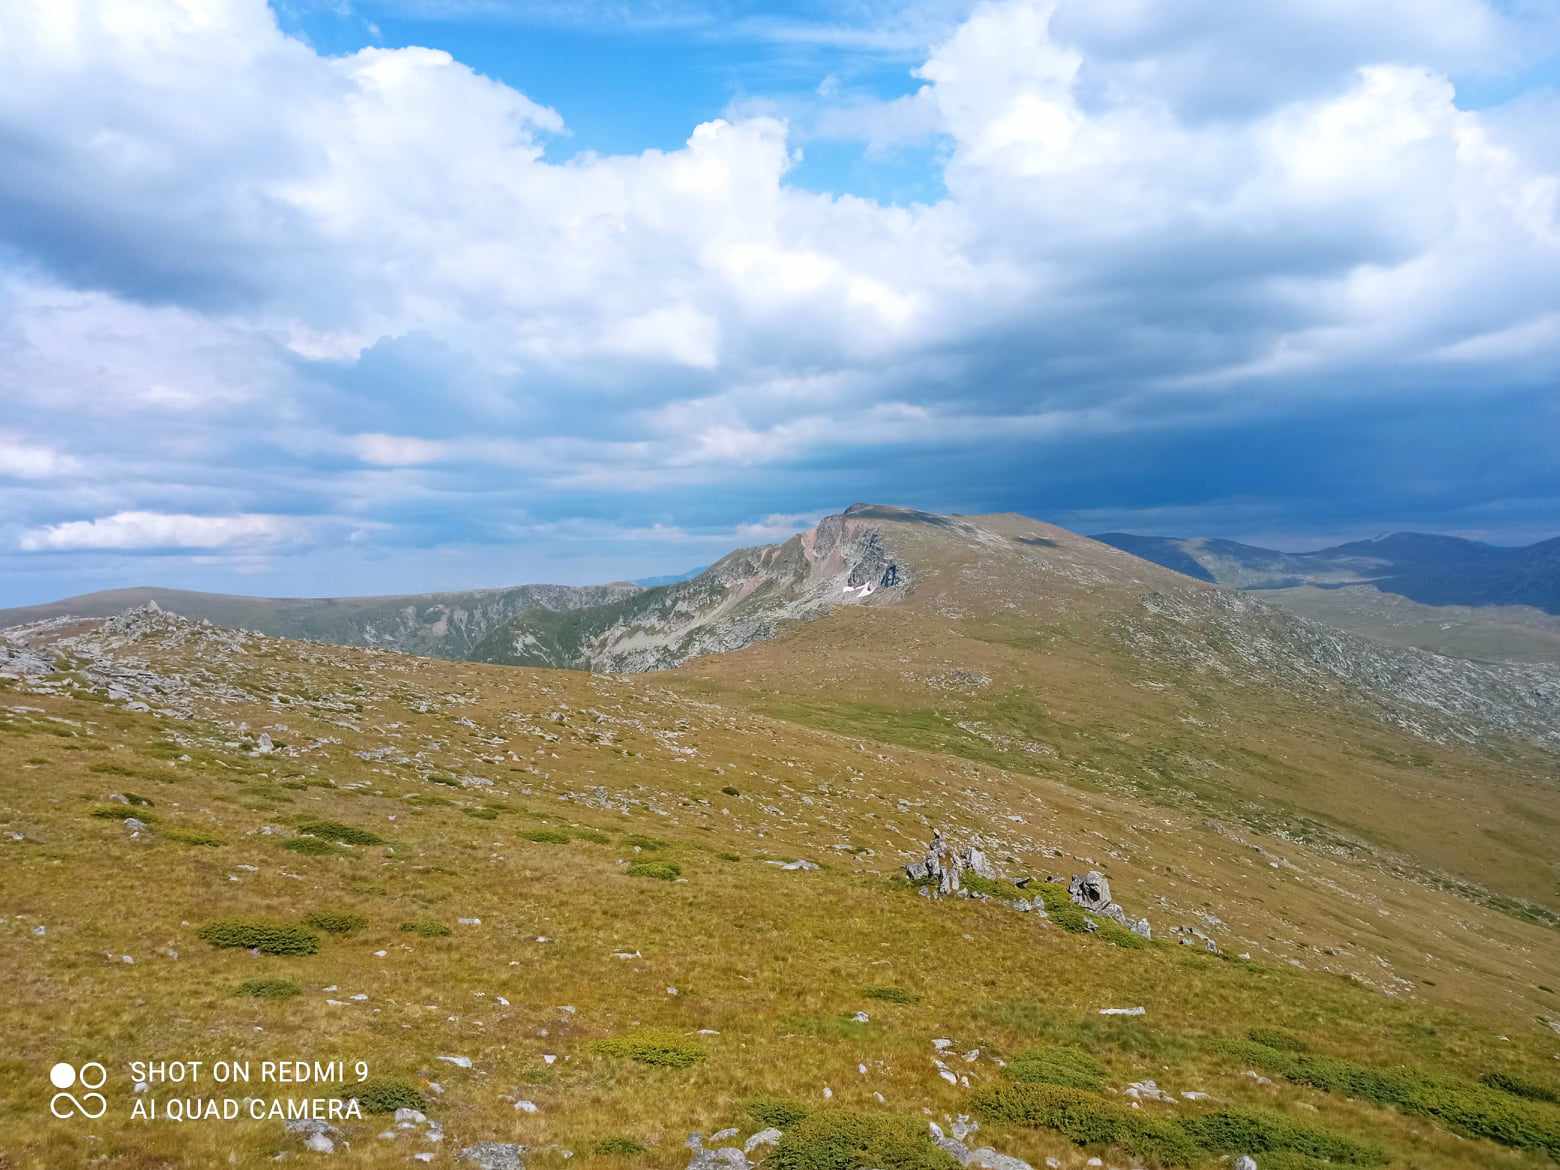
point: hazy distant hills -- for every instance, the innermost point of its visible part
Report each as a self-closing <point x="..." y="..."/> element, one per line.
<point x="440" y="625"/>
<point x="1441" y="592"/>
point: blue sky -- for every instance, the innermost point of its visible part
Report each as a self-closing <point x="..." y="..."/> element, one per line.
<point x="340" y="296"/>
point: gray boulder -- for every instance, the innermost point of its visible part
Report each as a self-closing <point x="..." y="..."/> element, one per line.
<point x="494" y="1156"/>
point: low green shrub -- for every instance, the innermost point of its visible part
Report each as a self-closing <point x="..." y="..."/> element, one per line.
<point x="310" y="846"/>
<point x="889" y="994"/>
<point x="481" y="814"/>
<point x="119" y="812"/>
<point x="779" y="1112"/>
<point x="384" y="1095"/>
<point x="1058" y="1066"/>
<point x="730" y="791"/>
<point x="839" y="1139"/>
<point x="725" y="856"/>
<point x="546" y="836"/>
<point x="336" y="831"/>
<point x="1241" y="1131"/>
<point x="591" y="835"/>
<point x="269" y="988"/>
<point x="639" y="841"/>
<point x="1279" y="1039"/>
<point x="1520" y="1087"/>
<point x="336" y="921"/>
<point x="663" y="871"/>
<point x="1059" y="908"/>
<point x="1087" y="1120"/>
<point x="657" y="1049"/>
<point x="193" y="837"/>
<point x="1470" y="1109"/>
<point x="426" y="928"/>
<point x="269" y="938"/>
<point x="619" y="1147"/>
<point x="135" y="799"/>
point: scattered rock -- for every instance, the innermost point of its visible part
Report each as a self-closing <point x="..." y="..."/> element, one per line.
<point x="1245" y="1162"/>
<point x="764" y="1137"/>
<point x="724" y="1158"/>
<point x="1147" y="1091"/>
<point x="1131" y="1011"/>
<point x="457" y="1061"/>
<point x="494" y="1156"/>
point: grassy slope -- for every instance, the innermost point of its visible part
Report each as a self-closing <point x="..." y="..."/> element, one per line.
<point x="1373" y="966"/>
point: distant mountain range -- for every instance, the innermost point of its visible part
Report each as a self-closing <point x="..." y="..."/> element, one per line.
<point x="1429" y="569"/>
<point x="1442" y="593"/>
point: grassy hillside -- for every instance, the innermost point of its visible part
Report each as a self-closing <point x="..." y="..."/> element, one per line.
<point x="575" y="885"/>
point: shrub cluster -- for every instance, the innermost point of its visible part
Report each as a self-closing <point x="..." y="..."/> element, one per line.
<point x="426" y="928"/>
<point x="838" y="1139"/>
<point x="193" y="837"/>
<point x="546" y="836"/>
<point x="664" y="871"/>
<point x="780" y="1112"/>
<point x="311" y="846"/>
<point x="384" y="1095"/>
<point x="269" y="988"/>
<point x="269" y="938"/>
<point x="336" y="831"/>
<point x="1473" y="1110"/>
<point x="1520" y="1087"/>
<point x="639" y="841"/>
<point x="1089" y="1119"/>
<point x="658" y="1049"/>
<point x="336" y="921"/>
<point x="1058" y="1066"/>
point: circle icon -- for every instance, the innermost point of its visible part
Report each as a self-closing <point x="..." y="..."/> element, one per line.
<point x="93" y="1075"/>
<point x="62" y="1075"/>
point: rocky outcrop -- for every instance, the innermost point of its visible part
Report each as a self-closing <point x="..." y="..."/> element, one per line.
<point x="938" y="872"/>
<point x="1092" y="892"/>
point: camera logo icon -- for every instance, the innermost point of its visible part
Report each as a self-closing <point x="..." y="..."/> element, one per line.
<point x="90" y="1077"/>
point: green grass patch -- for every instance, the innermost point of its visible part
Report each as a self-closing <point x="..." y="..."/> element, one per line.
<point x="269" y="988"/>
<point x="482" y="814"/>
<point x="648" y="844"/>
<point x="336" y="922"/>
<point x="1057" y="1066"/>
<point x="619" y="1147"/>
<point x="269" y="938"/>
<point x="661" y="871"/>
<point x="118" y="812"/>
<point x="546" y="836"/>
<point x="839" y="1139"/>
<point x="1279" y="1039"/>
<point x="426" y="928"/>
<point x="890" y="994"/>
<point x="336" y="831"/>
<point x="657" y="1049"/>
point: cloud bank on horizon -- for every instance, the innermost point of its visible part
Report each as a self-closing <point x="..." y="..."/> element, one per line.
<point x="370" y="321"/>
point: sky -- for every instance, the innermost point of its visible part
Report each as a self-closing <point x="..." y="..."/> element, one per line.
<point x="369" y="296"/>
